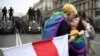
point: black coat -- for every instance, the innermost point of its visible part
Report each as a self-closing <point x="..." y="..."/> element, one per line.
<point x="63" y="28"/>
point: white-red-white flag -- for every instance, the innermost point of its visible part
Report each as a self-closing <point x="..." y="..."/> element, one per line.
<point x="58" y="46"/>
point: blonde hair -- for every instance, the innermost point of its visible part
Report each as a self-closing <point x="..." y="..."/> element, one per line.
<point x="68" y="7"/>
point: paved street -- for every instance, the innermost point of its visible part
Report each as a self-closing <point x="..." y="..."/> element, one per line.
<point x="7" y="40"/>
<point x="10" y="40"/>
<point x="26" y="38"/>
<point x="96" y="44"/>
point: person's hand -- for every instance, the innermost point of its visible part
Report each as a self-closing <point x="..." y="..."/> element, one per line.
<point x="72" y="38"/>
<point x="75" y="36"/>
<point x="81" y="32"/>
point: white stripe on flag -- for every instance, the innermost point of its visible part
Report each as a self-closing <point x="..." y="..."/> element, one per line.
<point x="24" y="50"/>
<point x="61" y="44"/>
<point x="58" y="46"/>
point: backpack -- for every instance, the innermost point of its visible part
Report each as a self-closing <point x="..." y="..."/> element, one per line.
<point x="92" y="33"/>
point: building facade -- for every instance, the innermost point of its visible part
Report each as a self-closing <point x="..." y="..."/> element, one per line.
<point x="91" y="7"/>
<point x="44" y="5"/>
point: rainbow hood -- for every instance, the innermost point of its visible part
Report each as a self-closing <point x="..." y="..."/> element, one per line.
<point x="51" y="25"/>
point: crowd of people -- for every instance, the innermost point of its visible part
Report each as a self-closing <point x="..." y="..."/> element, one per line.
<point x="4" y="12"/>
<point x="34" y="14"/>
<point x="76" y="24"/>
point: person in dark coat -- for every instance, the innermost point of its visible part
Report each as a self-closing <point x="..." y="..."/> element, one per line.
<point x="11" y="11"/>
<point x="38" y="12"/>
<point x="4" y="12"/>
<point x="30" y="13"/>
<point x="33" y="14"/>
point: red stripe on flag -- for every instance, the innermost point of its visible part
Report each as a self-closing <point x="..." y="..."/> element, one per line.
<point x="45" y="48"/>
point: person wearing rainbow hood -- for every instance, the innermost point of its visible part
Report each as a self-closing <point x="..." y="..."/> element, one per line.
<point x="57" y="24"/>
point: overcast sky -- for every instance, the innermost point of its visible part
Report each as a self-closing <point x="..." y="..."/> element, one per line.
<point x="19" y="6"/>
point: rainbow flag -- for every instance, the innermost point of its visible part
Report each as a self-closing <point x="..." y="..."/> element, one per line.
<point x="79" y="45"/>
<point x="52" y="24"/>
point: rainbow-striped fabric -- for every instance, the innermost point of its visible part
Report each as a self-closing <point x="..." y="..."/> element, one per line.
<point x="79" y="45"/>
<point x="52" y="24"/>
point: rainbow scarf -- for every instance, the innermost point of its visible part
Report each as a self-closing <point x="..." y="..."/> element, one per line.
<point x="51" y="25"/>
<point x="79" y="45"/>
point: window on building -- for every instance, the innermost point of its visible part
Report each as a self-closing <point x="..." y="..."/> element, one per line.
<point x="77" y="7"/>
<point x="81" y="7"/>
<point x="97" y="3"/>
<point x="50" y="7"/>
<point x="86" y="5"/>
<point x="89" y="12"/>
<point x="64" y="1"/>
<point x="91" y="5"/>
<point x="58" y="4"/>
<point x="97" y="13"/>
